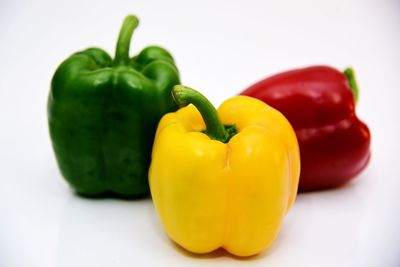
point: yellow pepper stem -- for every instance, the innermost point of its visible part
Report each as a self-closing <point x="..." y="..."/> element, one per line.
<point x="184" y="96"/>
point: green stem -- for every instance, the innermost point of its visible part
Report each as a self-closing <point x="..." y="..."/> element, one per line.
<point x="184" y="96"/>
<point x="351" y="78"/>
<point x="124" y="40"/>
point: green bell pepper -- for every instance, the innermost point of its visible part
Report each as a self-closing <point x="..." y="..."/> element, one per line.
<point x="103" y="114"/>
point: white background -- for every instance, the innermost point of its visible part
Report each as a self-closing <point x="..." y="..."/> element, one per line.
<point x="220" y="47"/>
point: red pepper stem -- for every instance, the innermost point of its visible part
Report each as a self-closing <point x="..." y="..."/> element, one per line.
<point x="351" y="78"/>
<point x="124" y="40"/>
<point x="184" y="96"/>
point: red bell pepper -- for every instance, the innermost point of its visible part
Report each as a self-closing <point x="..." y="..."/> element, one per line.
<point x="319" y="102"/>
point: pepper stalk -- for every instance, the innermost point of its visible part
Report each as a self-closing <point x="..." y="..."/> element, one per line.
<point x="184" y="96"/>
<point x="124" y="40"/>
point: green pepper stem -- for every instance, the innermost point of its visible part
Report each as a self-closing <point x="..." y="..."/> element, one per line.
<point x="184" y="96"/>
<point x="351" y="78"/>
<point x="124" y="40"/>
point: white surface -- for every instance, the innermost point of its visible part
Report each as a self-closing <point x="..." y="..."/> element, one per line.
<point x="220" y="47"/>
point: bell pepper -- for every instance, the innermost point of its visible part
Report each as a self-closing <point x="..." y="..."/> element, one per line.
<point x="319" y="102"/>
<point x="103" y="114"/>
<point x="223" y="178"/>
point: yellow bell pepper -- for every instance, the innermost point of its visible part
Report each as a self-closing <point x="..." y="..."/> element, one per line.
<point x="223" y="184"/>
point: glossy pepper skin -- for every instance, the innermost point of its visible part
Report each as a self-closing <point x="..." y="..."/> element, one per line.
<point x="319" y="102"/>
<point x="103" y="114"/>
<point x="223" y="186"/>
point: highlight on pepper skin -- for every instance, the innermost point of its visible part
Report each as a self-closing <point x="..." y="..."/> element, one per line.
<point x="223" y="178"/>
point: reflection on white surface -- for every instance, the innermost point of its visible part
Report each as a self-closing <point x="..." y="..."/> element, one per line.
<point x="335" y="228"/>
<point x="107" y="232"/>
